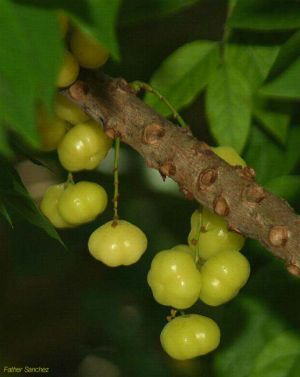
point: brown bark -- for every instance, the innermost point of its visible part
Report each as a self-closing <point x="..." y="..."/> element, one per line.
<point x="201" y="175"/>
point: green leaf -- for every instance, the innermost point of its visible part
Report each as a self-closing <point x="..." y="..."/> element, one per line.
<point x="253" y="61"/>
<point x="286" y="85"/>
<point x="286" y="186"/>
<point x="270" y="159"/>
<point x="96" y="16"/>
<point x="17" y="201"/>
<point x="30" y="56"/>
<point x="272" y="119"/>
<point x="279" y="357"/>
<point x="266" y="15"/>
<point x="183" y="75"/>
<point x="288" y="53"/>
<point x="228" y="107"/>
<point x="283" y="79"/>
<point x="255" y="325"/>
<point x="138" y="11"/>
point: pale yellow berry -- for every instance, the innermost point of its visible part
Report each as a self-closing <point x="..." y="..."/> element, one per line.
<point x="68" y="72"/>
<point x="89" y="52"/>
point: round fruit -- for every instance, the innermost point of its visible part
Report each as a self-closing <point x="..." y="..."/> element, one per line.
<point x="49" y="208"/>
<point x="68" y="72"/>
<point x="223" y="275"/>
<point x="83" y="147"/>
<point x="69" y="111"/>
<point x="117" y="243"/>
<point x="88" y="51"/>
<point x="51" y="131"/>
<point x="82" y="202"/>
<point x="184" y="249"/>
<point x="174" y="279"/>
<point x="229" y="155"/>
<point x="190" y="336"/>
<point x="215" y="236"/>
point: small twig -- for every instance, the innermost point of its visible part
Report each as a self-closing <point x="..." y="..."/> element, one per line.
<point x="139" y="85"/>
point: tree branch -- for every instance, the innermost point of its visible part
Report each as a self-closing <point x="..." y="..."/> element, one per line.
<point x="201" y="175"/>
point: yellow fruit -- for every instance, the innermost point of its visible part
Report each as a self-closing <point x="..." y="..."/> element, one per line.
<point x="49" y="208"/>
<point x="117" y="244"/>
<point x="69" y="111"/>
<point x="89" y="52"/>
<point x="184" y="249"/>
<point x="223" y="275"/>
<point x="68" y="72"/>
<point x="189" y="336"/>
<point x="215" y="236"/>
<point x="174" y="279"/>
<point x="82" y="202"/>
<point x="51" y="131"/>
<point x="84" y="147"/>
<point x="229" y="155"/>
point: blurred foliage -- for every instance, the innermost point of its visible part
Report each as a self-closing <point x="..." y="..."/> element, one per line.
<point x="234" y="75"/>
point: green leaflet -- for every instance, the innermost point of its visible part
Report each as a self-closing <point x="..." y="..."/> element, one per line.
<point x="269" y="158"/>
<point x="30" y="56"/>
<point x="279" y="358"/>
<point x="228" y="107"/>
<point x="183" y="75"/>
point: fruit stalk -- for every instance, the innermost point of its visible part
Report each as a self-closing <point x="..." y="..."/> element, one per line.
<point x="116" y="179"/>
<point x="231" y="192"/>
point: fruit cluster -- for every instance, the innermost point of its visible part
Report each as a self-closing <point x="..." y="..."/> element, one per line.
<point x="82" y="144"/>
<point x="209" y="268"/>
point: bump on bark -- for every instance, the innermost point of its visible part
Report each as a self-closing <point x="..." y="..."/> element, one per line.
<point x="167" y="169"/>
<point x="207" y="177"/>
<point x="293" y="269"/>
<point x="111" y="133"/>
<point x="253" y="193"/>
<point x="221" y="206"/>
<point x="78" y="90"/>
<point x="233" y="228"/>
<point x="278" y="235"/>
<point x="187" y="194"/>
<point x="153" y="132"/>
<point x="247" y="172"/>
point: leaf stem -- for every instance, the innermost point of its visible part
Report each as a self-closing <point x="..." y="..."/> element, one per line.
<point x="140" y="85"/>
<point x="116" y="179"/>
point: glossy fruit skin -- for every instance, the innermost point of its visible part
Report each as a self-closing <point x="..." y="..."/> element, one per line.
<point x="174" y="279"/>
<point x="89" y="52"/>
<point x="185" y="249"/>
<point x="189" y="336"/>
<point x="229" y="155"/>
<point x="68" y="72"/>
<point x="49" y="204"/>
<point x="51" y="131"/>
<point x="223" y="275"/>
<point x="69" y="111"/>
<point x="82" y="202"/>
<point x="83" y="147"/>
<point x="215" y="236"/>
<point x="116" y="245"/>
